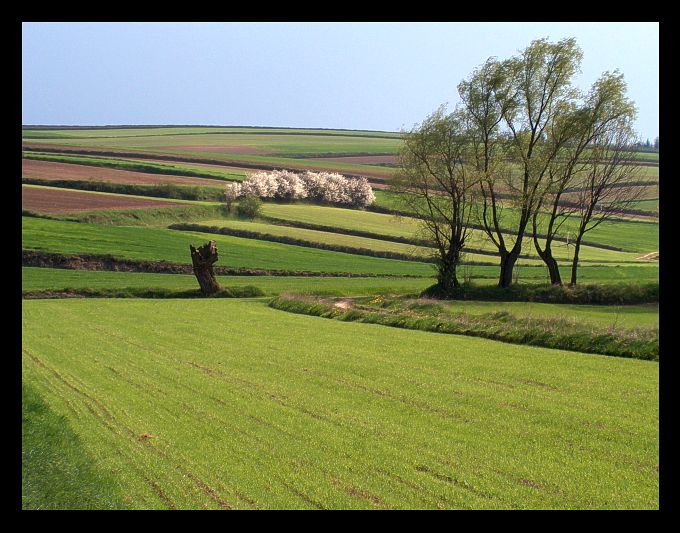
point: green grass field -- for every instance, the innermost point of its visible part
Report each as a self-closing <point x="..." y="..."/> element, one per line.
<point x="162" y="402"/>
<point x="154" y="244"/>
<point x="303" y="412"/>
<point x="42" y="279"/>
<point x="57" y="473"/>
<point x="629" y="235"/>
<point x="628" y="316"/>
<point x="285" y="147"/>
<point x="624" y="234"/>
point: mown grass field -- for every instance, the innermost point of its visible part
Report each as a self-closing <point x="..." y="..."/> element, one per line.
<point x="304" y="412"/>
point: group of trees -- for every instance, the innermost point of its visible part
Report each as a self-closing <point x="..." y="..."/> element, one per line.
<point x="521" y="154"/>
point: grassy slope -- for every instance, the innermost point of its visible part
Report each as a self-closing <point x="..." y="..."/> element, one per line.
<point x="628" y="316"/>
<point x="632" y="236"/>
<point x="57" y="473"/>
<point x="629" y="235"/>
<point x="144" y="243"/>
<point x="284" y="418"/>
<point x="37" y="279"/>
<point x="155" y="244"/>
<point x="390" y="226"/>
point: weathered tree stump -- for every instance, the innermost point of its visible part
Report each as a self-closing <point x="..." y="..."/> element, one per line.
<point x="203" y="259"/>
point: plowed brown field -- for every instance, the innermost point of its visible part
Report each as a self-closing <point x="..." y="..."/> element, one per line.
<point x="50" y="170"/>
<point x="55" y="200"/>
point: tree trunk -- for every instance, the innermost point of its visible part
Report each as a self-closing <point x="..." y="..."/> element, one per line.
<point x="551" y="263"/>
<point x="508" y="260"/>
<point x="447" y="278"/>
<point x="446" y="275"/>
<point x="203" y="259"/>
<point x="574" y="263"/>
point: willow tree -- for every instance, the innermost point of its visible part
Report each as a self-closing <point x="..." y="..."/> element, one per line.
<point x="606" y="186"/>
<point x="596" y="133"/>
<point x="511" y="105"/>
<point x="436" y="185"/>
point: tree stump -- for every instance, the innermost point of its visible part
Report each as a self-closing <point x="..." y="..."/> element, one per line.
<point x="203" y="259"/>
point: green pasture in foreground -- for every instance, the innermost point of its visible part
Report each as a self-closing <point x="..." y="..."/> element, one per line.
<point x="39" y="279"/>
<point x="230" y="404"/>
<point x="56" y="472"/>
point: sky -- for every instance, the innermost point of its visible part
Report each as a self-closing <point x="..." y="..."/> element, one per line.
<point x="371" y="76"/>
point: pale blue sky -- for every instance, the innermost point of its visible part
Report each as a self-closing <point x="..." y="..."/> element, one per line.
<point x="377" y="76"/>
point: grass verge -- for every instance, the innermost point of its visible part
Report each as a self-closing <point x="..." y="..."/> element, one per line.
<point x="609" y="294"/>
<point x="563" y="334"/>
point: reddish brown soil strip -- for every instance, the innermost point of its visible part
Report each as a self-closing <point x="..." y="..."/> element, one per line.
<point x="54" y="200"/>
<point x="362" y="159"/>
<point x="50" y="170"/>
<point x="218" y="149"/>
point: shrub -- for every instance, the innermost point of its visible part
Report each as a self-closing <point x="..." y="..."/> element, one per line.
<point x="610" y="294"/>
<point x="231" y="192"/>
<point x="326" y="187"/>
<point x="249" y="206"/>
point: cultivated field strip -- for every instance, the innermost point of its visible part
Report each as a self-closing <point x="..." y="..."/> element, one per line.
<point x="51" y="200"/>
<point x="215" y="173"/>
<point x="52" y="170"/>
<point x="309" y="413"/>
<point x="387" y="225"/>
<point x="153" y="244"/>
<point x="42" y="279"/>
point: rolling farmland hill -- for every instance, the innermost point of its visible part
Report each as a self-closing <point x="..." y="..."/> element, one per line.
<point x="139" y="393"/>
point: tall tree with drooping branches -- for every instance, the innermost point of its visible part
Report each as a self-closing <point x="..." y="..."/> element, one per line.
<point x="436" y="184"/>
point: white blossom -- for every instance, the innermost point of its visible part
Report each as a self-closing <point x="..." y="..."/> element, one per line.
<point x="326" y="187"/>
